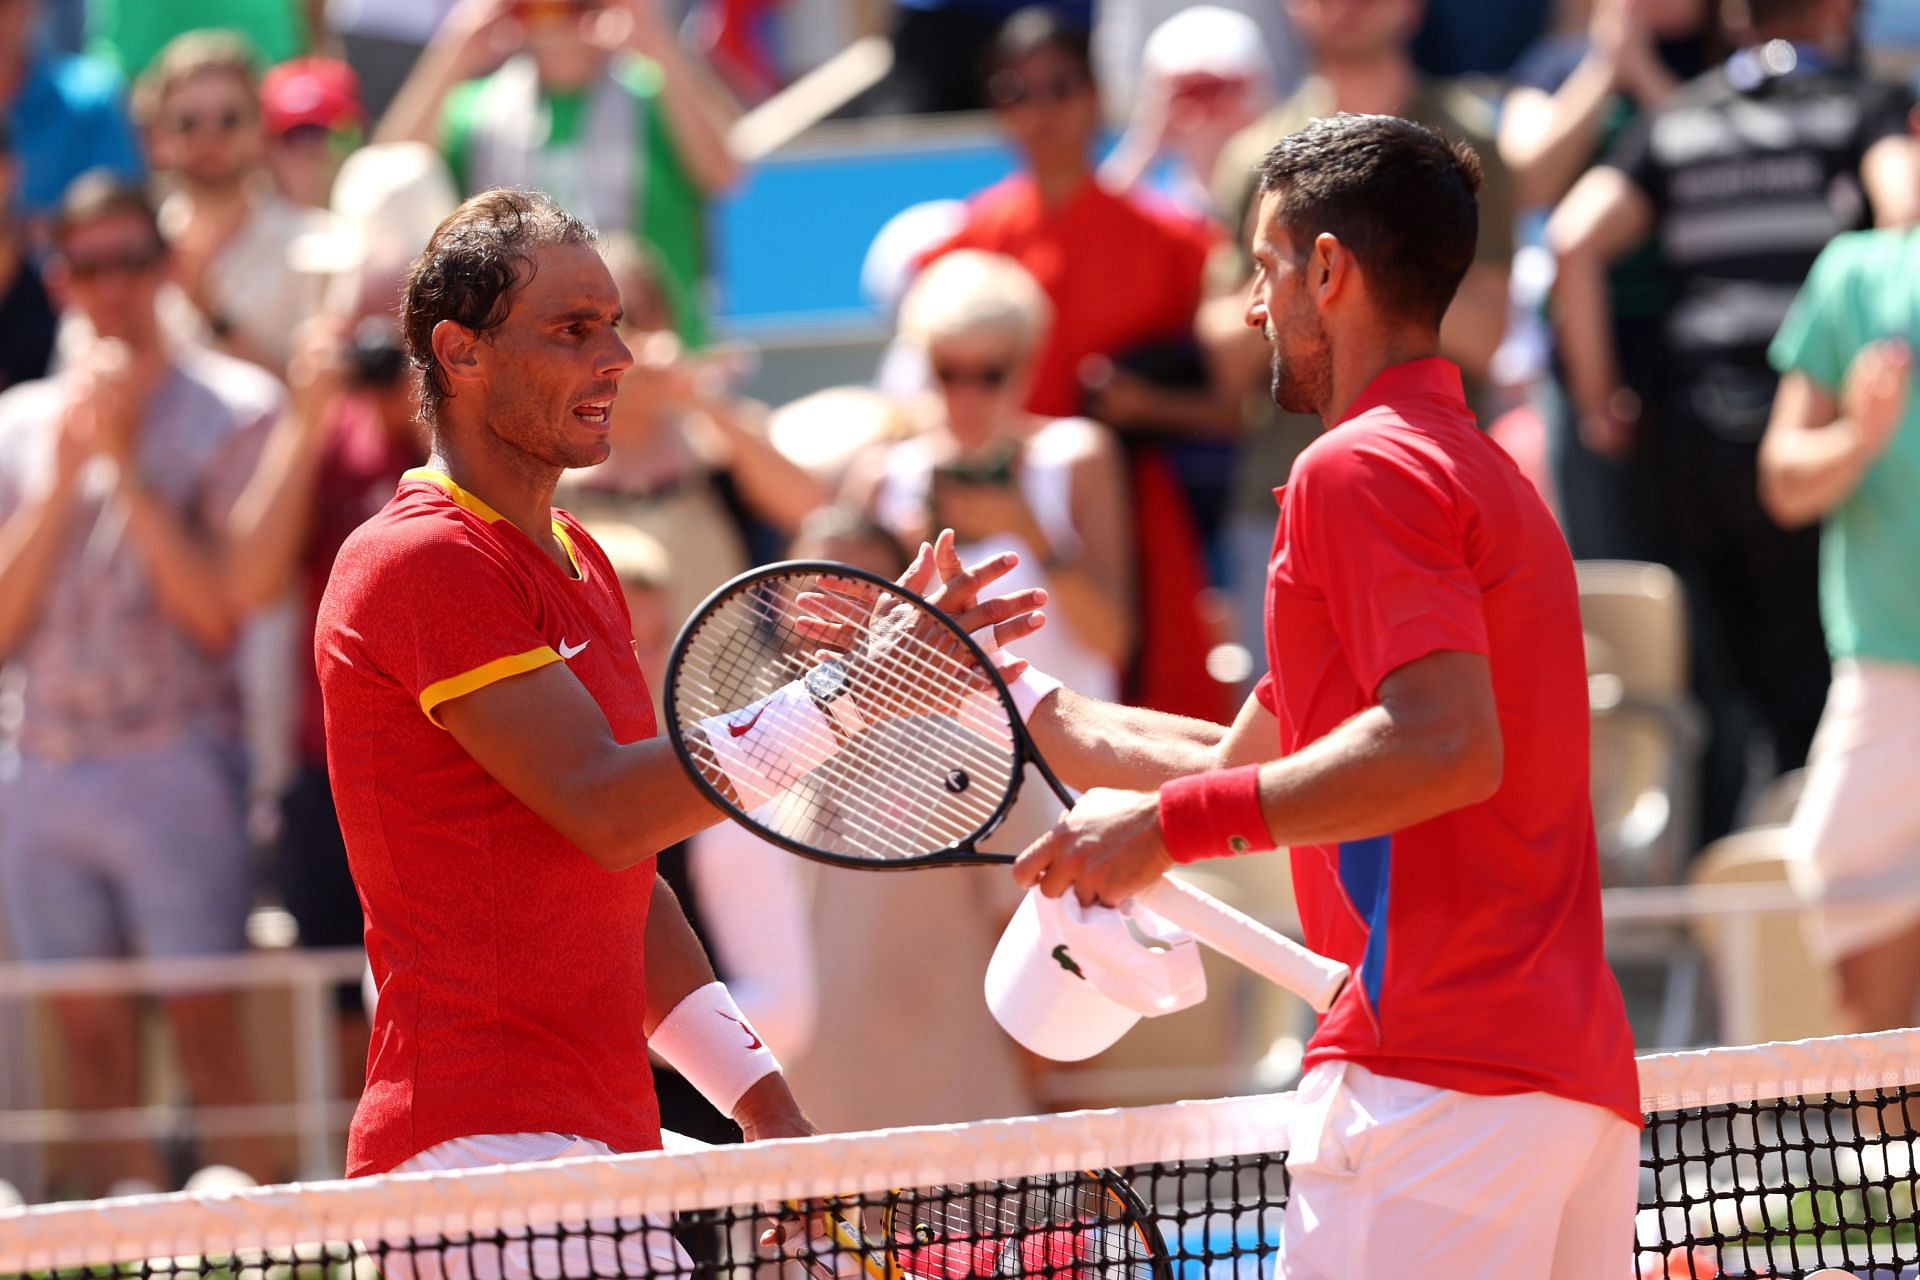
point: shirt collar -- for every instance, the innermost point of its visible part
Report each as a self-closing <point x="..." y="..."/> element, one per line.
<point x="1429" y="376"/>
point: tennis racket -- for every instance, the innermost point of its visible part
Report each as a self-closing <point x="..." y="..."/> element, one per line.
<point x="1088" y="1225"/>
<point x="844" y="718"/>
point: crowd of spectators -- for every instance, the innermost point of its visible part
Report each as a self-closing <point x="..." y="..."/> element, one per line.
<point x="207" y="209"/>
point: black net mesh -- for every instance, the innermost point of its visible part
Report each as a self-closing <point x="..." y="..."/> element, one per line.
<point x="1777" y="1187"/>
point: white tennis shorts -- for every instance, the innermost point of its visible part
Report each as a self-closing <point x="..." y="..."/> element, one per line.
<point x="1857" y="826"/>
<point x="1393" y="1178"/>
<point x="599" y="1247"/>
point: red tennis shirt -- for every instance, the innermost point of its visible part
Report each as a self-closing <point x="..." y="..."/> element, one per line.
<point x="509" y="964"/>
<point x="1475" y="938"/>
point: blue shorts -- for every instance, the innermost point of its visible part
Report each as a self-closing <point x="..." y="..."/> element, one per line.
<point x="145" y="854"/>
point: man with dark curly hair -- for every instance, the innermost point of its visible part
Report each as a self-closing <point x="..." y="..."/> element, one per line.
<point x="492" y="744"/>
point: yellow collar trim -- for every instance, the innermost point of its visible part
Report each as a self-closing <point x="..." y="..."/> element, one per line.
<point x="467" y="502"/>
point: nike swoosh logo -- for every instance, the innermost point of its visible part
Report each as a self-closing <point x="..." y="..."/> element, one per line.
<point x="738" y="730"/>
<point x="567" y="652"/>
<point x="751" y="1035"/>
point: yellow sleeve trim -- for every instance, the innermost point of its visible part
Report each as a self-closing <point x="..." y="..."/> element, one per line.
<point x="481" y="676"/>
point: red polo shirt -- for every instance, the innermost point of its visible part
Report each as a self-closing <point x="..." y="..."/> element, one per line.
<point x="510" y="966"/>
<point x="1118" y="275"/>
<point x="1475" y="938"/>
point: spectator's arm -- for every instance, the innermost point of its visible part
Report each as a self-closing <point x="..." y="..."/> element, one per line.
<point x="776" y="488"/>
<point x="1602" y="219"/>
<point x="1092" y="593"/>
<point x="462" y="47"/>
<point x="270" y="521"/>
<point x="1548" y="139"/>
<point x="1819" y="447"/>
<point x="30" y="540"/>
<point x="1890" y="171"/>
<point x="188" y="577"/>
<point x="1126" y="401"/>
<point x="1476" y="323"/>
<point x="700" y="112"/>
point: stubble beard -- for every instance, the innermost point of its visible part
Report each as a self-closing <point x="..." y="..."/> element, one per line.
<point x="1302" y="368"/>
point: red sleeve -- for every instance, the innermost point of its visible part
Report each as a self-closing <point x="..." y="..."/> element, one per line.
<point x="445" y="616"/>
<point x="1268" y="694"/>
<point x="1375" y="528"/>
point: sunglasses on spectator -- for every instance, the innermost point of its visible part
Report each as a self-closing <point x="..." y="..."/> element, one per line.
<point x="990" y="377"/>
<point x="1011" y="89"/>
<point x="191" y="123"/>
<point x="127" y="262"/>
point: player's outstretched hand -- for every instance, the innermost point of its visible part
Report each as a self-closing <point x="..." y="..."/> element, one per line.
<point x="1106" y="849"/>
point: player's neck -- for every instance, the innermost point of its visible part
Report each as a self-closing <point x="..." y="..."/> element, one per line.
<point x="511" y="483"/>
<point x="1357" y="363"/>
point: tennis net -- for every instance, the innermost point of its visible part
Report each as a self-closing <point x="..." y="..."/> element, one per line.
<point x="1774" y="1160"/>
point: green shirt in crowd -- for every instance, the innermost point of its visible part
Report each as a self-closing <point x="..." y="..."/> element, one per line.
<point x="667" y="212"/>
<point x="129" y="33"/>
<point x="1864" y="287"/>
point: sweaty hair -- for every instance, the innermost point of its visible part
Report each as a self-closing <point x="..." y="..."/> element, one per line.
<point x="102" y="193"/>
<point x="1399" y="196"/>
<point x="478" y="258"/>
<point x="216" y="51"/>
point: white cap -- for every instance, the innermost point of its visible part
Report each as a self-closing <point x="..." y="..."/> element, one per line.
<point x="387" y="200"/>
<point x="1068" y="981"/>
<point x="1207" y="39"/>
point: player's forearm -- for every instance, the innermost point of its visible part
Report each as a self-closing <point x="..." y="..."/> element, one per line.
<point x="29" y="545"/>
<point x="632" y="804"/>
<point x="1805" y="472"/>
<point x="677" y="965"/>
<point x="1376" y="774"/>
<point x="1090" y="743"/>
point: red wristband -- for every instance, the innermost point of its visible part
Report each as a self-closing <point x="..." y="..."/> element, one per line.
<point x="1214" y="815"/>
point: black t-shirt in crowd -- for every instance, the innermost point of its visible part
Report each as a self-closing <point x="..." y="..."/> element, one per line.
<point x="1750" y="174"/>
<point x="27" y="325"/>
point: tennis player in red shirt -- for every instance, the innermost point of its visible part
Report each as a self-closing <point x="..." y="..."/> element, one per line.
<point x="1470" y="1106"/>
<point x="492" y="747"/>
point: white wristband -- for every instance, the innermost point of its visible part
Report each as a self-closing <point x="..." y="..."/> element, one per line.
<point x="706" y="1039"/>
<point x="1028" y="691"/>
<point x="768" y="746"/>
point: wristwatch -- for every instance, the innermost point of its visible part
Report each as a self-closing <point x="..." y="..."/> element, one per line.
<point x="829" y="686"/>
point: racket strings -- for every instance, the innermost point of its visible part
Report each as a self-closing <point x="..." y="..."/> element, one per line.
<point x="937" y="759"/>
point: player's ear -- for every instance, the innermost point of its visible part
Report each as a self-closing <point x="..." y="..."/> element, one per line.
<point x="1330" y="268"/>
<point x="456" y="349"/>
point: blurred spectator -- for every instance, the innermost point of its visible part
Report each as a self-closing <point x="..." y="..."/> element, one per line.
<point x="1058" y="222"/>
<point x="1574" y="96"/>
<point x="1204" y="77"/>
<point x="67" y="114"/>
<point x="1477" y="37"/>
<point x="1122" y="28"/>
<point x="939" y="47"/>
<point x="862" y="1069"/>
<point x="381" y="40"/>
<point x="1109" y="327"/>
<point x="1843" y="447"/>
<point x="1362" y="63"/>
<point x="1052" y="489"/>
<point x="27" y="321"/>
<point x="130" y="34"/>
<point x="386" y="200"/>
<point x="691" y="463"/>
<point x="228" y="227"/>
<point x="311" y="108"/>
<point x="597" y="105"/>
<point x="119" y="714"/>
<point x="1744" y="175"/>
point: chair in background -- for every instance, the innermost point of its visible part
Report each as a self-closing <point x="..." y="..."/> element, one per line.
<point x="1646" y="743"/>
<point x="1766" y="982"/>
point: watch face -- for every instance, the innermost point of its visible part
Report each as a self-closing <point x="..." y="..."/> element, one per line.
<point x="827" y="681"/>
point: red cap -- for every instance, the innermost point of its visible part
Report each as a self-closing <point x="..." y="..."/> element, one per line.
<point x="320" y="91"/>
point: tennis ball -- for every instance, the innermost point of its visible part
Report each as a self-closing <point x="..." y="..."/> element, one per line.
<point x="1680" y="1264"/>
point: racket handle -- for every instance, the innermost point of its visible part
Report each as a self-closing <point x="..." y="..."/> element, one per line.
<point x="1239" y="937"/>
